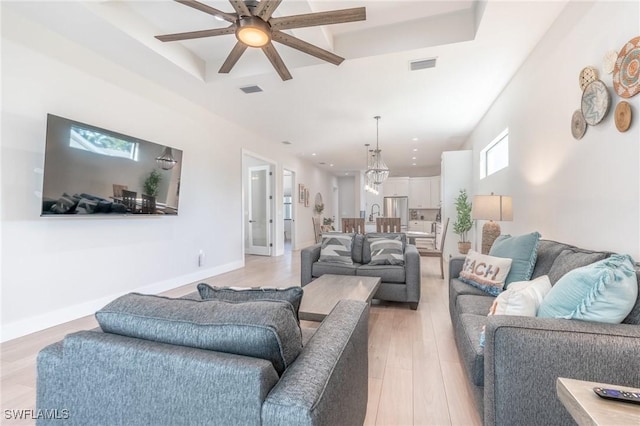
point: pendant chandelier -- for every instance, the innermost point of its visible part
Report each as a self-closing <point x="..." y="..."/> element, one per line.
<point x="377" y="171"/>
<point x="368" y="185"/>
<point x="166" y="160"/>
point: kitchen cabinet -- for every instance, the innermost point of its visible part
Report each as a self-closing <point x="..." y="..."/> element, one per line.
<point x="424" y="192"/>
<point x="420" y="226"/>
<point x="396" y="187"/>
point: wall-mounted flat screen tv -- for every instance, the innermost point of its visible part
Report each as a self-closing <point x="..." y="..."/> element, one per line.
<point x="93" y="171"/>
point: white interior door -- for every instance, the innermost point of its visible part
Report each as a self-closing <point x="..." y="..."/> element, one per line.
<point x="259" y="211"/>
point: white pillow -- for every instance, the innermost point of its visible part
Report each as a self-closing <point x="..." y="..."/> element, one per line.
<point x="522" y="298"/>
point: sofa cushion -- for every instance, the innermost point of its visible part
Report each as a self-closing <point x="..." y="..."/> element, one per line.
<point x="467" y="335"/>
<point x="522" y="250"/>
<point x="572" y="258"/>
<point x="634" y="315"/>
<point x="547" y="253"/>
<point x="291" y="295"/>
<point x="485" y="272"/>
<point x="605" y="291"/>
<point x="336" y="248"/>
<point x="356" y="248"/>
<point x="385" y="251"/>
<point x="388" y="273"/>
<point x="366" y="248"/>
<point x="476" y="305"/>
<point x="319" y="269"/>
<point x="259" y="329"/>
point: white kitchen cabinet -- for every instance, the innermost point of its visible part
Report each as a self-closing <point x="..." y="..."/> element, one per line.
<point x="396" y="187"/>
<point x="434" y="195"/>
<point x="424" y="192"/>
<point x="415" y="226"/>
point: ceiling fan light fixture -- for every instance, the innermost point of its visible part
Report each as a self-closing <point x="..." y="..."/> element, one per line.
<point x="253" y="32"/>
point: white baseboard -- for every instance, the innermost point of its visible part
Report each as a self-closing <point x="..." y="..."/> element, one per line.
<point x="40" y="322"/>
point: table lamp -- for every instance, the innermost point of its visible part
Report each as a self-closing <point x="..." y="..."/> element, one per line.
<point x="492" y="208"/>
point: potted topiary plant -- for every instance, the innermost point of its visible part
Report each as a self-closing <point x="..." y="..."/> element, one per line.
<point x="152" y="183"/>
<point x="463" y="221"/>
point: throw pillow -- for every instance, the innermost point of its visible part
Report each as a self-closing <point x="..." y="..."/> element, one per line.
<point x="336" y="248"/>
<point x="522" y="250"/>
<point x="570" y="259"/>
<point x="485" y="272"/>
<point x="522" y="298"/>
<point x="259" y="329"/>
<point x="292" y="295"/>
<point x="604" y="291"/>
<point x="386" y="251"/>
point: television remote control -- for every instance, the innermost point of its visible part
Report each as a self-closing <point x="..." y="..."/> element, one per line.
<point x="618" y="395"/>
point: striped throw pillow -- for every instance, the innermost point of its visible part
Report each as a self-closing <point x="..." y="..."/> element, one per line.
<point x="336" y="248"/>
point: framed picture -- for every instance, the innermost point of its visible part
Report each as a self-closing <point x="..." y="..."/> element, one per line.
<point x="301" y="193"/>
<point x="306" y="197"/>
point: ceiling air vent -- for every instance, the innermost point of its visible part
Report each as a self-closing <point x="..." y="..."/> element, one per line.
<point x="251" y="89"/>
<point x="422" y="64"/>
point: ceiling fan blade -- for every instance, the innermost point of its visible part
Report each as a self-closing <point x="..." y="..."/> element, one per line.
<point x="240" y="7"/>
<point x="266" y="8"/>
<point x="305" y="47"/>
<point x="276" y="61"/>
<point x="210" y="10"/>
<point x="197" y="34"/>
<point x="319" y="18"/>
<point x="233" y="57"/>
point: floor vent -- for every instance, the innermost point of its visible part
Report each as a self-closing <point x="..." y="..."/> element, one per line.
<point x="251" y="89"/>
<point x="422" y="64"/>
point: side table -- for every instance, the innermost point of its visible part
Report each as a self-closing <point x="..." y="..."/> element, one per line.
<point x="587" y="408"/>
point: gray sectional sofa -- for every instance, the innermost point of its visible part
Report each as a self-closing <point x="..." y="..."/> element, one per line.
<point x="106" y="378"/>
<point x="399" y="283"/>
<point x="513" y="377"/>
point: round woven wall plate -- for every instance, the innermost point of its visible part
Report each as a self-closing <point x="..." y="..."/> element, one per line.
<point x="578" y="125"/>
<point x="622" y="116"/>
<point x="587" y="75"/>
<point x="595" y="102"/>
<point x="626" y="74"/>
<point x="609" y="61"/>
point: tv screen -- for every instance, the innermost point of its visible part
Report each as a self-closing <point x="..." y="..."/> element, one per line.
<point x="93" y="171"/>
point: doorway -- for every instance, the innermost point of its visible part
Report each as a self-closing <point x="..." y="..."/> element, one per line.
<point x="258" y="203"/>
<point x="288" y="210"/>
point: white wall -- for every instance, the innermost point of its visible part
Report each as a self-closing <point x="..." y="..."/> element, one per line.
<point x="347" y="196"/>
<point x="57" y="269"/>
<point x="582" y="192"/>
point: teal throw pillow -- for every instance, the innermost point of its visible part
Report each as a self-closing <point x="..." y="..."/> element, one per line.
<point x="604" y="291"/>
<point x="523" y="250"/>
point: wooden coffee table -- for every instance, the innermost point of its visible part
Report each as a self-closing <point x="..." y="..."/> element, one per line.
<point x="322" y="294"/>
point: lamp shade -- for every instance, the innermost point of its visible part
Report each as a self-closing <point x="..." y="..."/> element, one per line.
<point x="492" y="207"/>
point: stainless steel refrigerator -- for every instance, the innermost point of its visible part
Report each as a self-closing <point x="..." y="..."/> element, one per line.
<point x="397" y="207"/>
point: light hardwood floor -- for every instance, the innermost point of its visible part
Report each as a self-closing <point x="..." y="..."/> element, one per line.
<point x="415" y="375"/>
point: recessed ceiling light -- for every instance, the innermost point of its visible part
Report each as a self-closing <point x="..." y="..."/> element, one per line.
<point x="415" y="149"/>
<point x="414" y="139"/>
<point x="413" y="158"/>
<point x="314" y="154"/>
<point x="330" y="165"/>
<point x="413" y="164"/>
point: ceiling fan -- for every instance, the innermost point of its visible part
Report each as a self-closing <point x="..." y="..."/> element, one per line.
<point x="254" y="27"/>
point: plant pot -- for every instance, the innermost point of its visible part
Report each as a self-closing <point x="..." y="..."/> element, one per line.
<point x="464" y="247"/>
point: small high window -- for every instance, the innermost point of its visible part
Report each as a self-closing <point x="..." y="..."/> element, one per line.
<point x="99" y="143"/>
<point x="495" y="156"/>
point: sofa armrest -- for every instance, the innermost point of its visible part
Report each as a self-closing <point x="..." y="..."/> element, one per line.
<point x="524" y="357"/>
<point x="308" y="256"/>
<point x="412" y="273"/>
<point x="328" y="382"/>
<point x="455" y="266"/>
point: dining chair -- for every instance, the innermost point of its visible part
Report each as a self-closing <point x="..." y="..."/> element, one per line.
<point x="148" y="204"/>
<point x="388" y="224"/>
<point x="129" y="200"/>
<point x="117" y="190"/>
<point x="437" y="251"/>
<point x="353" y="224"/>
